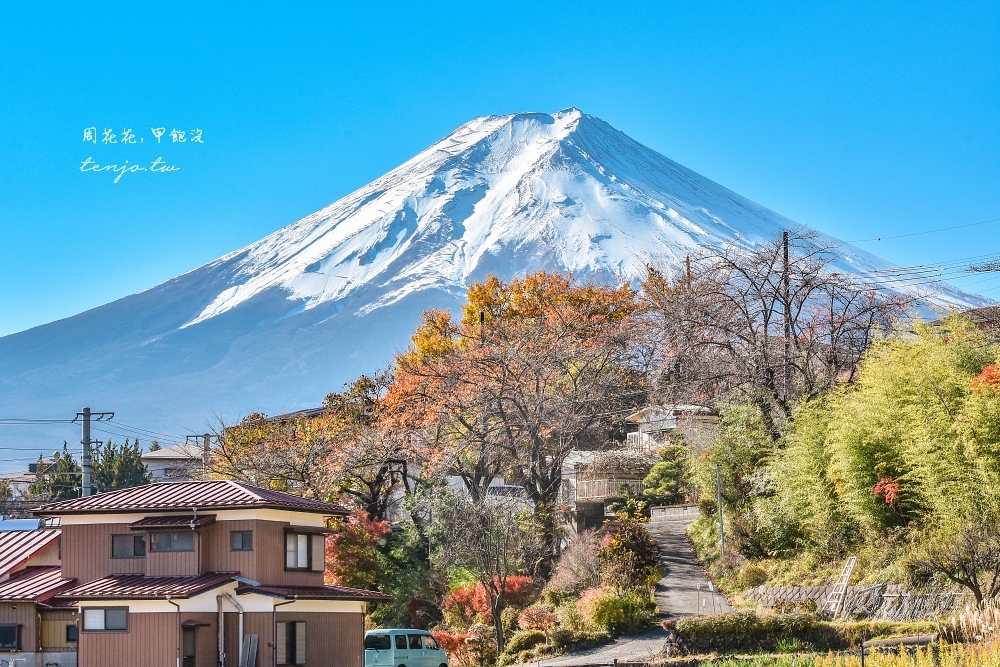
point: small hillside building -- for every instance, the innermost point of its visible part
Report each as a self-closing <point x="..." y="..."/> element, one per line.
<point x="656" y="425"/>
<point x="183" y="462"/>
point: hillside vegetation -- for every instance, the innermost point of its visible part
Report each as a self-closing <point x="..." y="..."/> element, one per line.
<point x="900" y="467"/>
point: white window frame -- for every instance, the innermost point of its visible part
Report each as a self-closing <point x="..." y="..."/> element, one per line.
<point x="282" y="643"/>
<point x="305" y="552"/>
<point x="89" y="615"/>
<point x="150" y="548"/>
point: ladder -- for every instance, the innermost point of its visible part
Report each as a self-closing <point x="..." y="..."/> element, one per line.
<point x="835" y="600"/>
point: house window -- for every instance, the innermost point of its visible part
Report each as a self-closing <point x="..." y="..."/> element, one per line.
<point x="304" y="551"/>
<point x="171" y="541"/>
<point x="10" y="637"/>
<point x="291" y="643"/>
<point x="72" y="634"/>
<point x="241" y="540"/>
<point x="128" y="546"/>
<point x="103" y="620"/>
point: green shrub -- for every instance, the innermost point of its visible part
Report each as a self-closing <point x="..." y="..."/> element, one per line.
<point x="751" y="576"/>
<point x="621" y="615"/>
<point x="564" y="640"/>
<point x="785" y="632"/>
<point x="508" y="619"/>
<point x="707" y="506"/>
<point x="667" y="482"/>
<point x="568" y="616"/>
<point x="748" y="631"/>
<point x="523" y="641"/>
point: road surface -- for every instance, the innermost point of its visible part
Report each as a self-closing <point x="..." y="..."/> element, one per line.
<point x="683" y="590"/>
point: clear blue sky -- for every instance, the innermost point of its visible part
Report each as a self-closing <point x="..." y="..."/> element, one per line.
<point x="856" y="119"/>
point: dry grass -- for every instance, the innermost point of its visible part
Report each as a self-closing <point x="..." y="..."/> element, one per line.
<point x="975" y="624"/>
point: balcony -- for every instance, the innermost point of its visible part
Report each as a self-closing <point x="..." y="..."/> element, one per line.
<point x="601" y="488"/>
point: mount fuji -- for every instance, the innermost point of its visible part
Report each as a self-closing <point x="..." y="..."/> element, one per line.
<point x="278" y="324"/>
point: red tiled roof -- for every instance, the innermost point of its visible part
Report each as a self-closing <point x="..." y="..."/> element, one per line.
<point x="182" y="521"/>
<point x="141" y="587"/>
<point x="18" y="546"/>
<point x="210" y="495"/>
<point x="316" y="593"/>
<point x="35" y="583"/>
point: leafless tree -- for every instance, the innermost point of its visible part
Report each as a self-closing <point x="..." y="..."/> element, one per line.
<point x="770" y="324"/>
<point x="968" y="556"/>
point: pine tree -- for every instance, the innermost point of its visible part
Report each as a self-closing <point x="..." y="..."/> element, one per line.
<point x="59" y="480"/>
<point x="119" y="466"/>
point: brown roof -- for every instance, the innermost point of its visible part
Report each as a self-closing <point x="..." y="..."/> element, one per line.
<point x="17" y="547"/>
<point x="189" y="521"/>
<point x="35" y="583"/>
<point x="210" y="495"/>
<point x="141" y="587"/>
<point x="308" y="413"/>
<point x="316" y="593"/>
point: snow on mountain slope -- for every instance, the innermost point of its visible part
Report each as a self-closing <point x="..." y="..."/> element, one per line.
<point x="277" y="324"/>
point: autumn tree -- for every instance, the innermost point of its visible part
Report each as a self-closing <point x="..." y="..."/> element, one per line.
<point x="534" y="368"/>
<point x="492" y="539"/>
<point x="767" y="324"/>
<point x="352" y="552"/>
<point x="282" y="454"/>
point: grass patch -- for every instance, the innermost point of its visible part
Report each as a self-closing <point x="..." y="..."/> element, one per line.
<point x="985" y="654"/>
<point x="783" y="633"/>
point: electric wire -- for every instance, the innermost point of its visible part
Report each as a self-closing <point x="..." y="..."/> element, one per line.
<point x="926" y="231"/>
<point x="27" y="422"/>
<point x="143" y="430"/>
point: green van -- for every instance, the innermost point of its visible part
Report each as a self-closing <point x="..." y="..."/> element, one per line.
<point x="403" y="648"/>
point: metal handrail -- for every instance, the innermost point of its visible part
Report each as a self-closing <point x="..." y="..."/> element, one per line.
<point x="596" y="489"/>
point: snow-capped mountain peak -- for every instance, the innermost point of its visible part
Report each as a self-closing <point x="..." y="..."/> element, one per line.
<point x="564" y="191"/>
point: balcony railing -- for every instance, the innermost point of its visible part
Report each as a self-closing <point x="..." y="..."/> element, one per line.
<point x="599" y="489"/>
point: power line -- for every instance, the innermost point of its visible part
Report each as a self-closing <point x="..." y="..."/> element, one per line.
<point x="23" y="422"/>
<point x="928" y="231"/>
<point x="168" y="443"/>
<point x="148" y="432"/>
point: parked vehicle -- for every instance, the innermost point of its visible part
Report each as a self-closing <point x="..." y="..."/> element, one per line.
<point x="403" y="648"/>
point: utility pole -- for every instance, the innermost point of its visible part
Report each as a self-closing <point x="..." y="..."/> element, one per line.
<point x="722" y="528"/>
<point x="206" y="449"/>
<point x="786" y="297"/>
<point x="687" y="261"/>
<point x="86" y="459"/>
